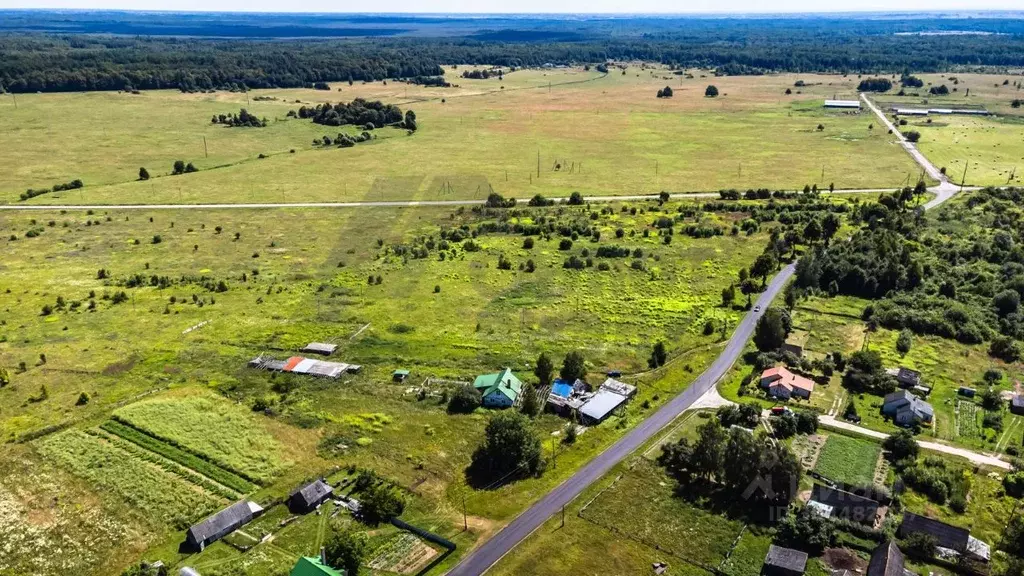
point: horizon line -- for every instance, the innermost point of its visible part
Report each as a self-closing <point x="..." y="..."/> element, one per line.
<point x="847" y="11"/>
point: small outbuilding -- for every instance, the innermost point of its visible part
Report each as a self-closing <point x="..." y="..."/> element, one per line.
<point x="1017" y="404"/>
<point x="221" y="524"/>
<point x="399" y="375"/>
<point x="307" y="498"/>
<point x="784" y="562"/>
<point x="967" y="391"/>
<point x="322" y="348"/>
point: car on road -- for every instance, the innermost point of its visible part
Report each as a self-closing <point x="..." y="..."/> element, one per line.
<point x="757" y="308"/>
<point x="779" y="410"/>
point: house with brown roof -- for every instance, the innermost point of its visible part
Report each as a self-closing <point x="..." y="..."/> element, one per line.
<point x="781" y="383"/>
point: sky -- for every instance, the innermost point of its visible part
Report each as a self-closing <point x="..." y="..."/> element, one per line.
<point x="525" y="6"/>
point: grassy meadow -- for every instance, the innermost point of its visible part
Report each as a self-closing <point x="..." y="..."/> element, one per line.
<point x="153" y="384"/>
<point x="601" y="135"/>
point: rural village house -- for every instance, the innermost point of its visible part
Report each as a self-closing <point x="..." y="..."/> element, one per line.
<point x="781" y="383"/>
<point x="499" y="390"/>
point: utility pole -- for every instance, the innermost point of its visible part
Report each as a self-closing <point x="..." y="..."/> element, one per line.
<point x="206" y="151"/>
<point x="538" y="163"/>
<point x="554" y="455"/>
<point x="15" y="100"/>
<point x="964" y="178"/>
<point x="563" y="516"/>
<point x="465" y="522"/>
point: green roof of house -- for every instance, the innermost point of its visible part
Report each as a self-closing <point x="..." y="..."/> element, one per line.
<point x="504" y="382"/>
<point x="311" y="566"/>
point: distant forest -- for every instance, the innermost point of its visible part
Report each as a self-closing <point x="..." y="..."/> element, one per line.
<point x="31" y="62"/>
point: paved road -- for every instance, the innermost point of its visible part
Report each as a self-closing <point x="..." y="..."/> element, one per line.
<point x="478" y="561"/>
<point x="975" y="457"/>
<point x="368" y="204"/>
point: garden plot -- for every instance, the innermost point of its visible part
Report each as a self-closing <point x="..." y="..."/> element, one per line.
<point x="967" y="414"/>
<point x="847" y="460"/>
<point x="225" y="434"/>
<point x="143" y="485"/>
<point x="403" y="554"/>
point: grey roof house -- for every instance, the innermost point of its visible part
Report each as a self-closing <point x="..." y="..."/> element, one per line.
<point x="907" y="409"/>
<point x="784" y="562"/>
<point x="307" y="498"/>
<point x="846" y="504"/>
<point x="221" y="524"/>
<point x="887" y="560"/>
<point x="1017" y="404"/>
<point x="946" y="536"/>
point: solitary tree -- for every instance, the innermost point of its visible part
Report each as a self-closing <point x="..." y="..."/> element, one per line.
<point x="510" y="450"/>
<point x="904" y="341"/>
<point x="179" y="167"/>
<point x="658" y="356"/>
<point x="763" y="266"/>
<point x="143" y="174"/>
<point x="573" y="367"/>
<point x="380" y="503"/>
<point x="772" y="329"/>
<point x="530" y="406"/>
<point x="5" y="377"/>
<point x="711" y="91"/>
<point x="544" y="369"/>
<point x="346" y="549"/>
<point x="728" y="295"/>
<point x="464" y="400"/>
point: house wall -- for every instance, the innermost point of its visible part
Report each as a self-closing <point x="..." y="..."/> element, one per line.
<point x="497" y="400"/>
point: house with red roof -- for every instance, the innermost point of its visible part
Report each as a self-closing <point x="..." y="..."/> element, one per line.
<point x="781" y="383"/>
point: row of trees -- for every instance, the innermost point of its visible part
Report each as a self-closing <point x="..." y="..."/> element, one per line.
<point x="32" y="193"/>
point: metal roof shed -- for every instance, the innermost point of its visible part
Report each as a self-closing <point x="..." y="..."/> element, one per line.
<point x="601" y="405"/>
<point x="304" y="366"/>
<point x="842" y="104"/>
<point x="320" y="348"/>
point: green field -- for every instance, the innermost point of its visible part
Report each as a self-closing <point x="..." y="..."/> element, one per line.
<point x="601" y="135"/>
<point x="990" y="148"/>
<point x="138" y="361"/>
<point x="848" y="460"/>
<point x="140" y="484"/>
<point x="227" y="435"/>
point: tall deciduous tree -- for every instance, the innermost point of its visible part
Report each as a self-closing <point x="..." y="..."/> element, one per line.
<point x="544" y="370"/>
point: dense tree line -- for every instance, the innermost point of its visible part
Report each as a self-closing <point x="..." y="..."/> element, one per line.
<point x="960" y="276"/>
<point x="36" y="62"/>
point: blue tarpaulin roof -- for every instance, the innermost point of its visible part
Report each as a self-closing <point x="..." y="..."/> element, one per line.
<point x="561" y="389"/>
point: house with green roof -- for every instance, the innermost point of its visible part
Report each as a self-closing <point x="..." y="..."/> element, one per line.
<point x="499" y="390"/>
<point x="313" y="566"/>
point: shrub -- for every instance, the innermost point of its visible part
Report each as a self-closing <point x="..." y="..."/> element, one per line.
<point x="711" y="91"/>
